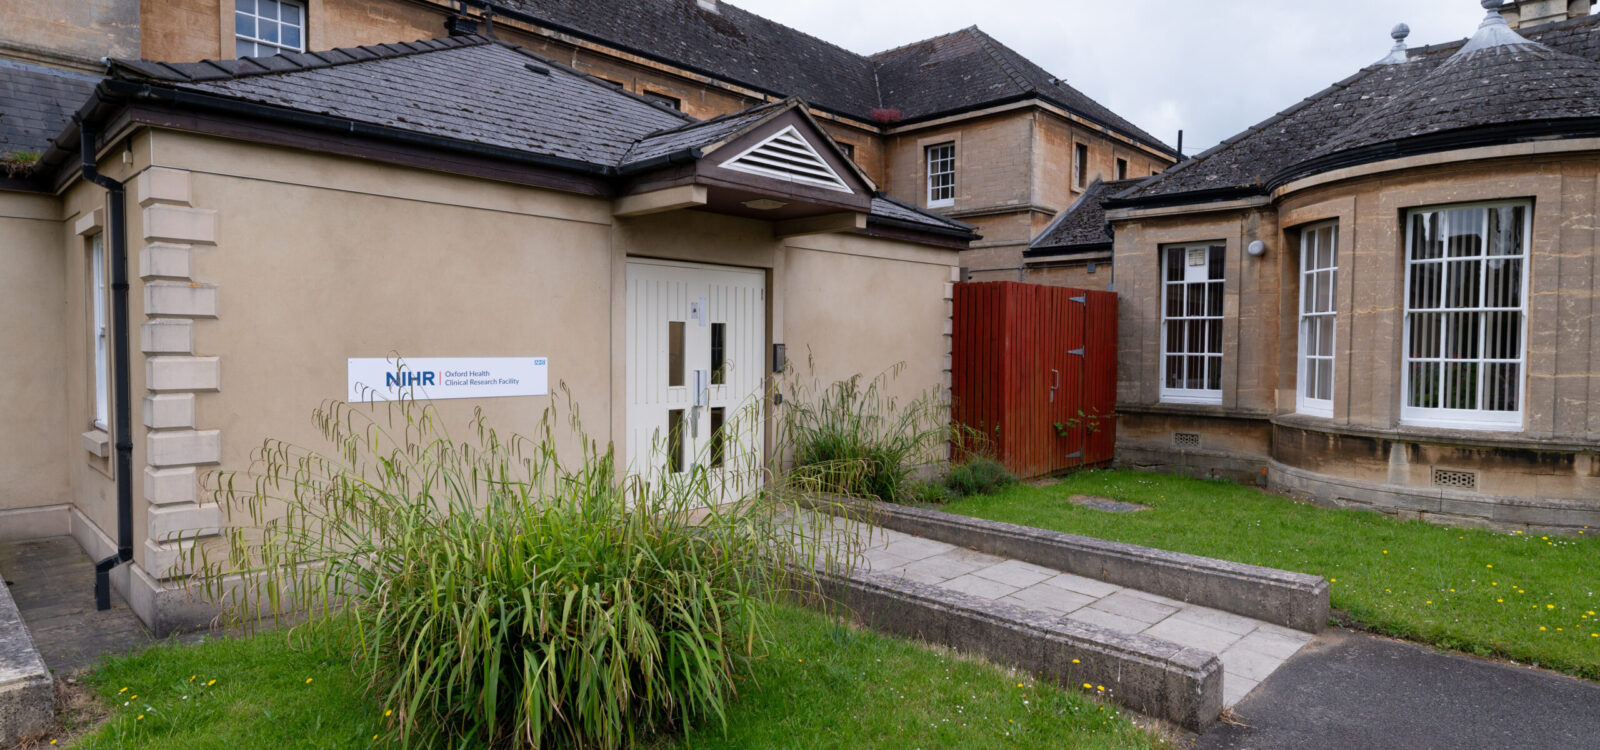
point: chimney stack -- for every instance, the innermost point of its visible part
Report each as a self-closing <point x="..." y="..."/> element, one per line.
<point x="1521" y="14"/>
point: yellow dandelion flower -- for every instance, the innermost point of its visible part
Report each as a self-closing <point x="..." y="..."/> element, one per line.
<point x="1386" y="552"/>
<point x="374" y="737"/>
<point x="1594" y="635"/>
<point x="1430" y="601"/>
<point x="389" y="712"/>
<point x="1494" y="583"/>
<point x="141" y="718"/>
<point x="124" y="690"/>
<point x="1074" y="661"/>
<point x="1087" y="686"/>
<point x="133" y="697"/>
<point x="52" y="742"/>
<point x="1541" y="627"/>
<point x="212" y="682"/>
<point x="1488" y="566"/>
<point x="1333" y="580"/>
<point x="191" y="677"/>
<point x="308" y="680"/>
<point x="1501" y="601"/>
<point x="1549" y="606"/>
<point x="1019" y="684"/>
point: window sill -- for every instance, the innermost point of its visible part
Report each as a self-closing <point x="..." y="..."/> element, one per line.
<point x="1193" y="398"/>
<point x="97" y="443"/>
<point x="941" y="204"/>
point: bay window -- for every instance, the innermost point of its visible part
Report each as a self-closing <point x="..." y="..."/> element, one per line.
<point x="1466" y="316"/>
<point x="1191" y="323"/>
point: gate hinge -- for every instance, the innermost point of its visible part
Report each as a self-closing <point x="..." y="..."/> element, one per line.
<point x="1078" y="351"/>
<point x="1075" y="454"/>
<point x="1084" y="298"/>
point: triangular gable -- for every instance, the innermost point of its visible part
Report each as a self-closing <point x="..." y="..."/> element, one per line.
<point x="787" y="155"/>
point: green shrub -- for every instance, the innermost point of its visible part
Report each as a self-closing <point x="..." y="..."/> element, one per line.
<point x="929" y="493"/>
<point x="978" y="476"/>
<point x="496" y="593"/>
<point x="853" y="438"/>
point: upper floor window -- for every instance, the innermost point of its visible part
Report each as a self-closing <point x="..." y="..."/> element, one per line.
<point x="941" y="175"/>
<point x="1466" y="316"/>
<point x="100" y="395"/>
<point x="1191" y="324"/>
<point x="1080" y="165"/>
<point x="670" y="102"/>
<point x="268" y="27"/>
<point x="1122" y="169"/>
<point x="1319" y="266"/>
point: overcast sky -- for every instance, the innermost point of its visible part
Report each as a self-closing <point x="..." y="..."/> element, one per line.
<point x="1210" y="67"/>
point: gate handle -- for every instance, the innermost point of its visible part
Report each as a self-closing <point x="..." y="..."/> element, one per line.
<point x="1056" y="374"/>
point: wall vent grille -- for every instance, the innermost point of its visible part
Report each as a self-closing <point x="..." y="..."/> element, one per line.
<point x="1454" y="479"/>
<point x="788" y="156"/>
<point x="1186" y="439"/>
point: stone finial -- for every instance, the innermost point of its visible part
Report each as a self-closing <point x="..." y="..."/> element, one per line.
<point x="1398" y="54"/>
<point x="1493" y="6"/>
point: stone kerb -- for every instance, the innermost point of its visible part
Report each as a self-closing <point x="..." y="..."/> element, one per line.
<point x="1293" y="600"/>
<point x="1152" y="676"/>
<point x="27" y="694"/>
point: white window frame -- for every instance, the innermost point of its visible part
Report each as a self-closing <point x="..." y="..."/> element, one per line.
<point x="255" y="43"/>
<point x="1476" y="418"/>
<point x="1212" y="361"/>
<point x="99" y="333"/>
<point x="1314" y="309"/>
<point x="940" y="161"/>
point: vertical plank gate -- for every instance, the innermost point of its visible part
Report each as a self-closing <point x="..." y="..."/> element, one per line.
<point x="1034" y="372"/>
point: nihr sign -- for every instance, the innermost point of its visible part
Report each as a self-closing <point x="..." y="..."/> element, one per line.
<point x="379" y="379"/>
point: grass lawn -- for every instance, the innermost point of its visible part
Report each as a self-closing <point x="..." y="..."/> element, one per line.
<point x="1521" y="596"/>
<point x="823" y="685"/>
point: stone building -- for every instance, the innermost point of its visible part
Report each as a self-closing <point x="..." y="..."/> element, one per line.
<point x="195" y="255"/>
<point x="1385" y="296"/>
<point x="959" y="124"/>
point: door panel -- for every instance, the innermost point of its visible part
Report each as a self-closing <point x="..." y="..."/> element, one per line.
<point x="696" y="338"/>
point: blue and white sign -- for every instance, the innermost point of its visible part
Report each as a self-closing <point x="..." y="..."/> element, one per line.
<point x="433" y="378"/>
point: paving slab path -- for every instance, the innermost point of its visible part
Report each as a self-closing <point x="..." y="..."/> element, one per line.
<point x="1355" y="691"/>
<point x="52" y="581"/>
<point x="1250" y="649"/>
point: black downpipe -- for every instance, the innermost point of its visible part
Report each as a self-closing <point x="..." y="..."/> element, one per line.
<point x="122" y="414"/>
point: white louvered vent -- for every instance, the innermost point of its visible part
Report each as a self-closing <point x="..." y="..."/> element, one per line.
<point x="788" y="156"/>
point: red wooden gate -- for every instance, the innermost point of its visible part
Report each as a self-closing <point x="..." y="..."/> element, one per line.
<point x="1034" y="370"/>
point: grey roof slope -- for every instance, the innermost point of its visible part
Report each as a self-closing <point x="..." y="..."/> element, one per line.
<point x="35" y="104"/>
<point x="1506" y="83"/>
<point x="1249" y="159"/>
<point x="731" y="43"/>
<point x="467" y="88"/>
<point x="967" y="69"/>
<point x="1083" y="226"/>
<point x="482" y="91"/>
<point x="957" y="71"/>
<point x="889" y="208"/>
<point x="697" y="134"/>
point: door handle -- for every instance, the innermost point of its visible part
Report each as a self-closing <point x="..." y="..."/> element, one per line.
<point x="702" y="380"/>
<point x="1054" y="384"/>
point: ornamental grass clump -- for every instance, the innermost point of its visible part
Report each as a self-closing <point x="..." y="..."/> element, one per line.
<point x="497" y="591"/>
<point x="852" y="437"/>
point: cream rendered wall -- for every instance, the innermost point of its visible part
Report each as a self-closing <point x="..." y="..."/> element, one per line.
<point x="319" y="259"/>
<point x="37" y="439"/>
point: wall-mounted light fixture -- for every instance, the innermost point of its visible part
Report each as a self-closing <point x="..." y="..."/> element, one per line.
<point x="1257" y="248"/>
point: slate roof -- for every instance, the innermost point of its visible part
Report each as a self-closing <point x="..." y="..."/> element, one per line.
<point x="967" y="69"/>
<point x="478" y="90"/>
<point x="889" y="208"/>
<point x="960" y="71"/>
<point x="731" y="43"/>
<point x="466" y="88"/>
<point x="698" y="134"/>
<point x="36" y="102"/>
<point x="1475" y="93"/>
<point x="1082" y="227"/>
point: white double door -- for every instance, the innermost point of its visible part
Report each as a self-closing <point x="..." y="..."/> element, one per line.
<point x="696" y="356"/>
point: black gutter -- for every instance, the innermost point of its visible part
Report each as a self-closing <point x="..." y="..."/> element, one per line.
<point x="681" y="156"/>
<point x="122" y="416"/>
<point x="965" y="234"/>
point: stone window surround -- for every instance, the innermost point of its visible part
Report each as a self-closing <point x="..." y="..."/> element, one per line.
<point x="1304" y="405"/>
<point x="96" y="441"/>
<point x="953" y="138"/>
<point x="310" y="29"/>
<point x="1192" y="397"/>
